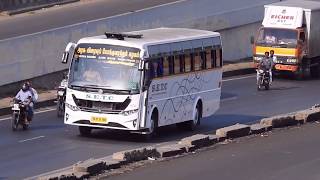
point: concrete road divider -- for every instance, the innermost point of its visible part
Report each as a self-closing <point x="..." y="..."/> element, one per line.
<point x="260" y="128"/>
<point x="135" y="154"/>
<point x="91" y="166"/>
<point x="171" y="150"/>
<point x="308" y="115"/>
<point x="213" y="139"/>
<point x="234" y="131"/>
<point x="280" y="121"/>
<point x="110" y="163"/>
<point x="198" y="140"/>
<point x="66" y="175"/>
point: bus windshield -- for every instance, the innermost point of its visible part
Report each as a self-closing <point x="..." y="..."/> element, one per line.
<point x="277" y="37"/>
<point x="106" y="67"/>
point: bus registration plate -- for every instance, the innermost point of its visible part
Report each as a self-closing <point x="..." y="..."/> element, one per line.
<point x="99" y="120"/>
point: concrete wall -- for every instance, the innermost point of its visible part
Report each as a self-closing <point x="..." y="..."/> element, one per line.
<point x="38" y="54"/>
<point x="16" y="4"/>
<point x="236" y="48"/>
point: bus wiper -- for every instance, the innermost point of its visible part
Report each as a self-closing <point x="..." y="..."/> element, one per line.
<point x="106" y="89"/>
<point x="79" y="87"/>
<point x="124" y="91"/>
<point x="95" y="86"/>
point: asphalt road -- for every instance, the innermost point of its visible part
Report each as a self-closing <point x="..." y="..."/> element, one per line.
<point x="50" y="145"/>
<point x="290" y="154"/>
<point x="69" y="14"/>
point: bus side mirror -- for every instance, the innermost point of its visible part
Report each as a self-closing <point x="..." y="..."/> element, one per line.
<point x="141" y="65"/>
<point x="67" y="55"/>
<point x="146" y="83"/>
<point x="147" y="78"/>
<point x="252" y="39"/>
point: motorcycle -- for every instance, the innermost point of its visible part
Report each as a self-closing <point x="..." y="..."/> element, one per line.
<point x="19" y="109"/>
<point x="263" y="79"/>
<point x="61" y="97"/>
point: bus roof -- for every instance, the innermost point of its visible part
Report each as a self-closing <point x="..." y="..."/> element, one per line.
<point x="154" y="36"/>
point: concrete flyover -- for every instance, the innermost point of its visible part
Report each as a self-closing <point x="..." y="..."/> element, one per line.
<point x="39" y="53"/>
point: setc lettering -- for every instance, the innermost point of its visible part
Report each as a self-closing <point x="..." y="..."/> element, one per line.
<point x="159" y="87"/>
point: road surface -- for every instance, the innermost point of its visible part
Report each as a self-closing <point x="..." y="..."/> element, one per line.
<point x="290" y="154"/>
<point x="50" y="145"/>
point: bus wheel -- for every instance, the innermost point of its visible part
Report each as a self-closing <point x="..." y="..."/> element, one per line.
<point x="153" y="130"/>
<point x="85" y="131"/>
<point x="154" y="125"/>
<point x="191" y="125"/>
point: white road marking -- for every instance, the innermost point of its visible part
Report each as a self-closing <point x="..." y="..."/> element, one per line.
<point x="34" y="138"/>
<point x="233" y="79"/>
<point x="37" y="112"/>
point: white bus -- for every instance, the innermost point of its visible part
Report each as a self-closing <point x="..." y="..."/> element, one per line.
<point x="143" y="80"/>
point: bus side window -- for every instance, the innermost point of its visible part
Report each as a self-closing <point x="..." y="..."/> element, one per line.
<point x="153" y="69"/>
<point x="203" y="59"/>
<point x="187" y="60"/>
<point x="166" y="71"/>
<point x="218" y="58"/>
<point x="182" y="63"/>
<point x="192" y="61"/>
<point x="213" y="58"/>
<point x="208" y="58"/>
<point x="160" y="67"/>
<point x="171" y="64"/>
<point x="221" y="57"/>
<point x="177" y="64"/>
<point x="197" y="60"/>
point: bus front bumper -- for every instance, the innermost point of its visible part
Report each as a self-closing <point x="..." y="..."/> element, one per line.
<point x="101" y="120"/>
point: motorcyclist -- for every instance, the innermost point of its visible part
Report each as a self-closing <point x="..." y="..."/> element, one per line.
<point x="272" y="56"/>
<point x="266" y="64"/>
<point x="64" y="82"/>
<point x="35" y="97"/>
<point x="25" y="96"/>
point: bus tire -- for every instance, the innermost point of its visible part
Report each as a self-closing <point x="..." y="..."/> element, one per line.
<point x="85" y="131"/>
<point x="191" y="125"/>
<point x="153" y="131"/>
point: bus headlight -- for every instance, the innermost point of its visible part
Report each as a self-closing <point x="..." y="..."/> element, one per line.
<point x="127" y="113"/>
<point x="292" y="60"/>
<point x="73" y="108"/>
